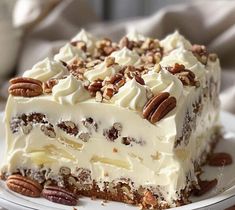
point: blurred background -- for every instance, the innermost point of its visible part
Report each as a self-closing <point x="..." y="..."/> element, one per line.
<point x="31" y="30"/>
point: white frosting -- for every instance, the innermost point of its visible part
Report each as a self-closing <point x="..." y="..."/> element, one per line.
<point x="46" y="69"/>
<point x="69" y="91"/>
<point x="126" y="57"/>
<point x="132" y="95"/>
<point x="86" y="37"/>
<point x="68" y="52"/>
<point x="163" y="82"/>
<point x="135" y="36"/>
<point x="185" y="57"/>
<point x="174" y="41"/>
<point x="101" y="71"/>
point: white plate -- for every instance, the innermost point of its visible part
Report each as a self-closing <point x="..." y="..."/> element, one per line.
<point x="219" y="198"/>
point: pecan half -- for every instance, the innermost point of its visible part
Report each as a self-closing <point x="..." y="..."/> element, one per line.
<point x="24" y="186"/>
<point x="220" y="159"/>
<point x="159" y="106"/>
<point x="60" y="195"/>
<point x="204" y="186"/>
<point x="26" y="87"/>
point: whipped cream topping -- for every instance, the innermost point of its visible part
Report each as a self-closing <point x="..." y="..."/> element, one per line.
<point x="69" y="91"/>
<point x="101" y="71"/>
<point x="86" y="37"/>
<point x="163" y="82"/>
<point x="174" y="41"/>
<point x="46" y="69"/>
<point x="69" y="52"/>
<point x="135" y="36"/>
<point x="126" y="57"/>
<point x="185" y="57"/>
<point x="132" y="95"/>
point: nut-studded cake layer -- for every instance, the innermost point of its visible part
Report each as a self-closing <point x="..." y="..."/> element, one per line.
<point x="141" y="110"/>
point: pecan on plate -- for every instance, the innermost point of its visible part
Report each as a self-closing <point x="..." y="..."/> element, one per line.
<point x="24" y="186"/>
<point x="159" y="106"/>
<point x="26" y="87"/>
<point x="60" y="195"/>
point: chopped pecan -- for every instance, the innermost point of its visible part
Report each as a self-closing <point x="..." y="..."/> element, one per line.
<point x="95" y="86"/>
<point x="108" y="93"/>
<point x="186" y="76"/>
<point x="60" y="195"/>
<point x="26" y="87"/>
<point x="159" y="106"/>
<point x="24" y="185"/>
<point x="48" y="85"/>
<point x="113" y="133"/>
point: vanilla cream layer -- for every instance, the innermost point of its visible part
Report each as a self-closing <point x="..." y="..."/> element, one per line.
<point x="154" y="163"/>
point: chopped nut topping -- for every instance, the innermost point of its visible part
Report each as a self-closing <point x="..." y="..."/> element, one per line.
<point x="95" y="86"/>
<point x="186" y="76"/>
<point x="48" y="85"/>
<point x="113" y="133"/>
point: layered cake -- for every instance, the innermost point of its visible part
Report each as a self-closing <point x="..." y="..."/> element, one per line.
<point x="129" y="121"/>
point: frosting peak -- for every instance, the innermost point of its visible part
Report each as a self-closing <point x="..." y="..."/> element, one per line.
<point x="132" y="95"/>
<point x="126" y="57"/>
<point x="163" y="82"/>
<point x="86" y="37"/>
<point x="46" y="69"/>
<point x="68" y="52"/>
<point x="69" y="91"/>
<point x="135" y="36"/>
<point x="175" y="40"/>
<point x="101" y="71"/>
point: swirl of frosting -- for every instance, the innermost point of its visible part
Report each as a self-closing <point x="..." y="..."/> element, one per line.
<point x="135" y="36"/>
<point x="163" y="82"/>
<point x="132" y="95"/>
<point x="101" y="71"/>
<point x="69" y="91"/>
<point x="185" y="57"/>
<point x="175" y="40"/>
<point x="68" y="52"/>
<point x="86" y="37"/>
<point x="46" y="69"/>
<point x="126" y="57"/>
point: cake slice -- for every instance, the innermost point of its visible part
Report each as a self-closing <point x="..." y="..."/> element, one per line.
<point x="131" y="121"/>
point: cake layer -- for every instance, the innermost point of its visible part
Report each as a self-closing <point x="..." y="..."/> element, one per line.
<point x="106" y="128"/>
